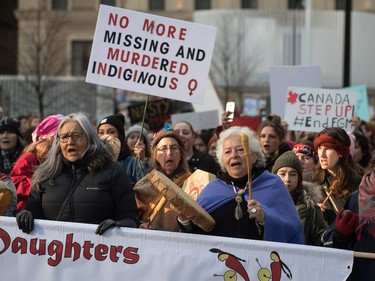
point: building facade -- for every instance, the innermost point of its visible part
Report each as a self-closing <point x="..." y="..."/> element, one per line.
<point x="54" y="37"/>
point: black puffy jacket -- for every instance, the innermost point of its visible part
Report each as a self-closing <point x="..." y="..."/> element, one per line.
<point x="102" y="193"/>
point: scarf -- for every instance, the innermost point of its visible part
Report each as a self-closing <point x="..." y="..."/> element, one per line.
<point x="7" y="165"/>
<point x="366" y="202"/>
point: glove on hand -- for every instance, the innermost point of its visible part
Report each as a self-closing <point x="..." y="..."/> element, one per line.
<point x="25" y="221"/>
<point x="104" y="226"/>
<point x="346" y="222"/>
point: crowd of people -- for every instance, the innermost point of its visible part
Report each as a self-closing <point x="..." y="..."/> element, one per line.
<point x="273" y="184"/>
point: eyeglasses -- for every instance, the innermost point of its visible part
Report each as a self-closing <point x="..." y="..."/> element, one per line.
<point x="164" y="149"/>
<point x="76" y="137"/>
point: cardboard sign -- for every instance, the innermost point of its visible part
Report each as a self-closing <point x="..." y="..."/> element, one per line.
<point x="197" y="182"/>
<point x="158" y="112"/>
<point x="313" y="109"/>
<point x="151" y="54"/>
<point x="282" y="77"/>
<point x="199" y="120"/>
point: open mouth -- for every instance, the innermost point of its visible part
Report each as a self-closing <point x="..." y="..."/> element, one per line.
<point x="72" y="151"/>
<point x="234" y="164"/>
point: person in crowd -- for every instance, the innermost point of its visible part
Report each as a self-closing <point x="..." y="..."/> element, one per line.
<point x="305" y="196"/>
<point x="362" y="154"/>
<point x="360" y="227"/>
<point x="269" y="214"/>
<point x="367" y="129"/>
<point x="80" y="181"/>
<point x="290" y="136"/>
<point x="133" y="134"/>
<point x="271" y="136"/>
<point x="201" y="141"/>
<point x="24" y="125"/>
<point x="306" y="153"/>
<point x="11" y="143"/>
<point x="212" y="145"/>
<point x="195" y="158"/>
<point x="32" y="156"/>
<point x="335" y="173"/>
<point x="168" y="157"/>
<point x="135" y="166"/>
<point x="354" y="226"/>
<point x="8" y="196"/>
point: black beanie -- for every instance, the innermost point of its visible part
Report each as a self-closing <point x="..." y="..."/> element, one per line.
<point x="117" y="121"/>
<point x="288" y="159"/>
<point x="10" y="124"/>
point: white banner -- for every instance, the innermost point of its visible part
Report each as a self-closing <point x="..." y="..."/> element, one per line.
<point x="151" y="54"/>
<point x="314" y="109"/>
<point x="71" y="251"/>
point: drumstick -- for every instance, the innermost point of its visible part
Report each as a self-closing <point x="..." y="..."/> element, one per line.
<point x="140" y="135"/>
<point x="158" y="207"/>
<point x="245" y="145"/>
<point x="332" y="188"/>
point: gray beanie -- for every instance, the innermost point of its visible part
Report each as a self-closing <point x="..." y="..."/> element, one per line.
<point x="288" y="159"/>
<point x="137" y="128"/>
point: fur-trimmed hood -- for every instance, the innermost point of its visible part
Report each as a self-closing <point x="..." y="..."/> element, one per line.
<point x="311" y="194"/>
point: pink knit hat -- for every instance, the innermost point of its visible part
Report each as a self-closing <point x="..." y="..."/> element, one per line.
<point x="47" y="128"/>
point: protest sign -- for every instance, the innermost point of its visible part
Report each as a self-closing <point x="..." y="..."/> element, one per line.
<point x="151" y="54"/>
<point x="313" y="109"/>
<point x="362" y="109"/>
<point x="282" y="77"/>
<point x="158" y="112"/>
<point x="72" y="251"/>
<point x="199" y="120"/>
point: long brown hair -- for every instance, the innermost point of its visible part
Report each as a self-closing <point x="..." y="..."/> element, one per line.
<point x="273" y="121"/>
<point x="344" y="174"/>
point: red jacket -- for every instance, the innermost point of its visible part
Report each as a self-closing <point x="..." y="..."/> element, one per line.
<point x="21" y="176"/>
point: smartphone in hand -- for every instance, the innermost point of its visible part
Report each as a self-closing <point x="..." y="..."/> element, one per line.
<point x="230" y="106"/>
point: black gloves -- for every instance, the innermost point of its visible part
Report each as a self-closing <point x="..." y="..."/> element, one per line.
<point x="104" y="226"/>
<point x="25" y="221"/>
<point x="109" y="223"/>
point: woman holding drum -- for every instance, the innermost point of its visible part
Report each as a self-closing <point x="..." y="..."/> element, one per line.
<point x="168" y="157"/>
<point x="247" y="203"/>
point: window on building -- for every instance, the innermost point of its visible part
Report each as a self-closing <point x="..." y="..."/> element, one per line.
<point x="249" y="4"/>
<point x="59" y="4"/>
<point x="202" y="4"/>
<point x="108" y="2"/>
<point x="80" y="57"/>
<point x="340" y="4"/>
<point x="296" y="4"/>
<point x="156" y="4"/>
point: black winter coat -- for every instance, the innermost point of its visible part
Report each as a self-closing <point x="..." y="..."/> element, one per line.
<point x="203" y="162"/>
<point x="104" y="193"/>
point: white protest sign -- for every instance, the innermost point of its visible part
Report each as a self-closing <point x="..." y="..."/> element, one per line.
<point x="151" y="54"/>
<point x="72" y="251"/>
<point x="199" y="120"/>
<point x="314" y="109"/>
<point x="282" y="77"/>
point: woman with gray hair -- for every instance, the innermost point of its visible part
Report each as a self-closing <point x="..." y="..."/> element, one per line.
<point x="80" y="181"/>
<point x="270" y="213"/>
